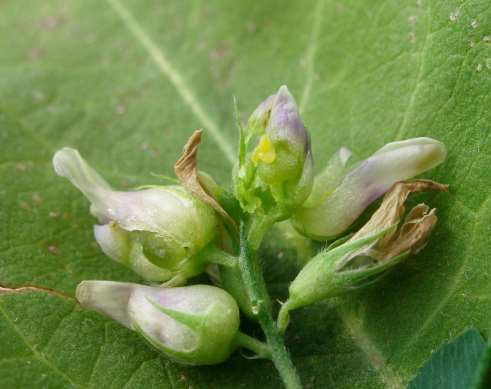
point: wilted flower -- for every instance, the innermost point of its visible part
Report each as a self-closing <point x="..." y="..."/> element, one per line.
<point x="157" y="231"/>
<point x="367" y="255"/>
<point x="339" y="197"/>
<point x="195" y="325"/>
<point x="278" y="171"/>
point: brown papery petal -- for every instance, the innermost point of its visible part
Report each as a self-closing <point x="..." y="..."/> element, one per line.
<point x="187" y="172"/>
<point x="411" y="237"/>
<point x="392" y="207"/>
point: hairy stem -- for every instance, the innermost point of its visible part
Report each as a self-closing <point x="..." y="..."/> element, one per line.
<point x="261" y="307"/>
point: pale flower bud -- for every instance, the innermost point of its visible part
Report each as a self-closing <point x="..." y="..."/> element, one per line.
<point x="195" y="325"/>
<point x="366" y="256"/>
<point x="327" y="214"/>
<point x="279" y="169"/>
<point x="157" y="231"/>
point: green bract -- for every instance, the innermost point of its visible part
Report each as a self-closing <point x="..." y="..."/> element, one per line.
<point x="158" y="232"/>
<point x="195" y="325"/>
<point x="275" y="163"/>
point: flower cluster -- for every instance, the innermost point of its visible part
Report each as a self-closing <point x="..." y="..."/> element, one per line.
<point x="169" y="234"/>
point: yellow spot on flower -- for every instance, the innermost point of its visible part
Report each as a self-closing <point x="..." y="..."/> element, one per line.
<point x="264" y="151"/>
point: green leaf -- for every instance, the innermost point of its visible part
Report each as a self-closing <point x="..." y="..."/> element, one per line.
<point x="127" y="81"/>
<point x="453" y="365"/>
<point x="482" y="379"/>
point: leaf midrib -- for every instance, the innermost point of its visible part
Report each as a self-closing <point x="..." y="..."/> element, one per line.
<point x="165" y="67"/>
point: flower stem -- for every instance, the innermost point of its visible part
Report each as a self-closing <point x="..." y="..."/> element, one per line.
<point x="219" y="257"/>
<point x="261" y="308"/>
<point x="261" y="349"/>
<point x="283" y="317"/>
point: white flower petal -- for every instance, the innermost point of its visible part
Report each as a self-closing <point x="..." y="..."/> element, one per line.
<point x="366" y="182"/>
<point x="107" y="297"/>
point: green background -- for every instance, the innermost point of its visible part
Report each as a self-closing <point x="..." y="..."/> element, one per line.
<point x="126" y="82"/>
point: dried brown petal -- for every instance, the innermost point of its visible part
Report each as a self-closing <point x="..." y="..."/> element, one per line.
<point x="392" y="207"/>
<point x="412" y="236"/>
<point x="416" y="228"/>
<point x="187" y="172"/>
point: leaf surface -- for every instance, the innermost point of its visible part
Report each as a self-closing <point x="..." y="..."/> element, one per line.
<point x="127" y="81"/>
<point x="454" y="365"/>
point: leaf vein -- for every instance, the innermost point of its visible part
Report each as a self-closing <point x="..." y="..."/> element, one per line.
<point x="310" y="54"/>
<point x="419" y="79"/>
<point x="56" y="329"/>
<point x="136" y="370"/>
<point x="99" y="354"/>
<point x="355" y="327"/>
<point x="35" y="353"/>
<point x="167" y="69"/>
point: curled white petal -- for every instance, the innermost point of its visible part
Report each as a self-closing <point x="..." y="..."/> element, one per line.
<point x="107" y="297"/>
<point x="114" y="242"/>
<point x="117" y="244"/>
<point x="366" y="182"/>
<point x="68" y="163"/>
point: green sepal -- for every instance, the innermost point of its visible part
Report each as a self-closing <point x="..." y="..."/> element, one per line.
<point x="339" y="242"/>
<point x="242" y="140"/>
<point x="343" y="249"/>
<point x="361" y="278"/>
<point x="194" y="322"/>
<point x="323" y="277"/>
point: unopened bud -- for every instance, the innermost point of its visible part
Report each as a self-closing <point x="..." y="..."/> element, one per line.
<point x="195" y="325"/>
<point x="278" y="170"/>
